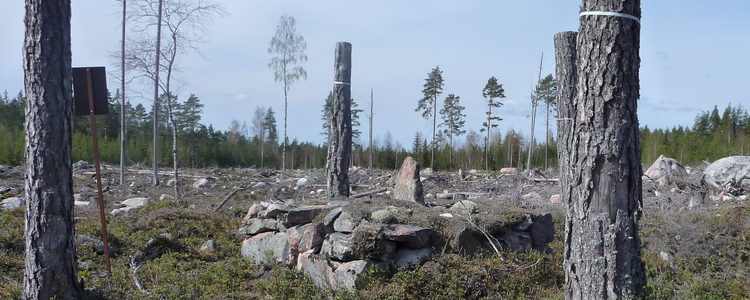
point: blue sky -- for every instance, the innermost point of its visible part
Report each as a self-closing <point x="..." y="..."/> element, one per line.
<point x="694" y="55"/>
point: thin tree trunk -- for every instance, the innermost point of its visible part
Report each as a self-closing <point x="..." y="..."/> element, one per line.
<point x="546" y="138"/>
<point x="434" y="128"/>
<point x="340" y="126"/>
<point x="487" y="141"/>
<point x="372" y="98"/>
<point x="534" y="104"/>
<point x="603" y="254"/>
<point x="156" y="96"/>
<point x="50" y="250"/>
<point x="170" y="113"/>
<point x="286" y="109"/>
<point x="122" y="93"/>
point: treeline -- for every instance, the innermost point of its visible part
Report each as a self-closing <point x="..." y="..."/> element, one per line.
<point x="714" y="135"/>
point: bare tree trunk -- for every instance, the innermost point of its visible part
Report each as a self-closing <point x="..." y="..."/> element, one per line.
<point x="156" y="96"/>
<point x="372" y="98"/>
<point x="565" y="72"/>
<point x="487" y="141"/>
<point x="603" y="254"/>
<point x="340" y="126"/>
<point x="534" y="104"/>
<point x="122" y="93"/>
<point x="50" y="262"/>
<point x="286" y="109"/>
<point x="170" y="115"/>
<point x="546" y="137"/>
<point x="434" y="128"/>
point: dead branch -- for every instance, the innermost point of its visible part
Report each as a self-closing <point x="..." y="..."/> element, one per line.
<point x="138" y="282"/>
<point x="227" y="199"/>
<point x="368" y="193"/>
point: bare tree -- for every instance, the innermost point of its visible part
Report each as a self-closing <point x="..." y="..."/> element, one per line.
<point x="50" y="264"/>
<point x="534" y="105"/>
<point x="289" y="48"/>
<point x="186" y="23"/>
<point x="122" y="107"/>
<point x="603" y="247"/>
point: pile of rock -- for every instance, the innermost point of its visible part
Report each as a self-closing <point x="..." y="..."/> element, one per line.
<point x="336" y="242"/>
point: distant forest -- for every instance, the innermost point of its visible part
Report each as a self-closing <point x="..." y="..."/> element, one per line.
<point x="714" y="135"/>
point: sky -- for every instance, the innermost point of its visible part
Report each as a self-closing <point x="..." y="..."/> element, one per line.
<point x="694" y="56"/>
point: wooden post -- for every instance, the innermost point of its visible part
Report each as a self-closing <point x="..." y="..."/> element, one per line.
<point x="603" y="248"/>
<point x="565" y="72"/>
<point x="340" y="137"/>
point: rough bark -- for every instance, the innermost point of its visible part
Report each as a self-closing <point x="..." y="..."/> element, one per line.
<point x="565" y="72"/>
<point x="602" y="255"/>
<point x="340" y="126"/>
<point x="156" y="97"/>
<point x="122" y="93"/>
<point x="50" y="263"/>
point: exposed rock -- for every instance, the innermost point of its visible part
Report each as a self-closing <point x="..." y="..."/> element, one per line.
<point x="338" y="246"/>
<point x="81" y="203"/>
<point x="554" y="199"/>
<point x="349" y="219"/>
<point x="94" y="243"/>
<point x="81" y="165"/>
<point x="510" y="171"/>
<point x="173" y="182"/>
<point x="330" y="218"/>
<point x="312" y="238"/>
<point x="516" y="241"/>
<point x="347" y="274"/>
<point x="663" y="169"/>
<point x="465" y="207"/>
<point x="408" y="257"/>
<point x="305" y="214"/>
<point x="274" y="210"/>
<point x="130" y="205"/>
<point x="13" y="203"/>
<point x="165" y="197"/>
<point x="208" y="246"/>
<point x="253" y="211"/>
<point x="294" y="235"/>
<point x="733" y="168"/>
<point x="316" y="267"/>
<point x="256" y="226"/>
<point x="305" y="181"/>
<point x="201" y="184"/>
<point x="542" y="230"/>
<point x="267" y="247"/>
<point x="408" y="184"/>
<point x="427" y="172"/>
<point x="410" y="236"/>
<point x="466" y="240"/>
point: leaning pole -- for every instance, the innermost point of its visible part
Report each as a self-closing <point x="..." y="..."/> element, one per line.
<point x="340" y="124"/>
<point x="603" y="248"/>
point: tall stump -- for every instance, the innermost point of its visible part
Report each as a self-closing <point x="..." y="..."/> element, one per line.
<point x="603" y="254"/>
<point x="340" y="124"/>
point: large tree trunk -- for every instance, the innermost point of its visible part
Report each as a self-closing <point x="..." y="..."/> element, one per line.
<point x="156" y="96"/>
<point x="565" y="72"/>
<point x="340" y="126"/>
<point x="603" y="248"/>
<point x="49" y="229"/>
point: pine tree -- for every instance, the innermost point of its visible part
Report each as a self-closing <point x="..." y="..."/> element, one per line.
<point x="491" y="91"/>
<point x="433" y="87"/>
<point x="453" y="120"/>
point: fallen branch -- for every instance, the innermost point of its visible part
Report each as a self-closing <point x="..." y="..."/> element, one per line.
<point x="138" y="282"/>
<point x="368" y="193"/>
<point x="227" y="199"/>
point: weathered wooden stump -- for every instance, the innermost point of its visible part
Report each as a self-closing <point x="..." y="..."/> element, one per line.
<point x="340" y="125"/>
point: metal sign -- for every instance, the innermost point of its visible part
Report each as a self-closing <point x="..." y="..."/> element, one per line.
<point x="98" y="86"/>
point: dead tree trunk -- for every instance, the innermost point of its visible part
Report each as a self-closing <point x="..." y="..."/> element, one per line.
<point x="340" y="126"/>
<point x="602" y="253"/>
<point x="565" y="72"/>
<point x="50" y="264"/>
<point x="156" y="96"/>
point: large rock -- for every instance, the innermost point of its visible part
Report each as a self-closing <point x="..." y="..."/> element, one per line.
<point x="338" y="246"/>
<point x="410" y="236"/>
<point x="733" y="168"/>
<point x="316" y="267"/>
<point x="465" y="207"/>
<point x="12" y="203"/>
<point x="81" y="165"/>
<point x="274" y="210"/>
<point x="253" y="211"/>
<point x="312" y="238"/>
<point x="305" y="181"/>
<point x="408" y="257"/>
<point x="542" y="230"/>
<point x="330" y="218"/>
<point x="305" y="214"/>
<point x="516" y="241"/>
<point x="256" y="226"/>
<point x="268" y="247"/>
<point x="130" y="205"/>
<point x="201" y="184"/>
<point x="347" y="274"/>
<point x="466" y="240"/>
<point x="408" y="185"/>
<point x="663" y="170"/>
<point x="349" y="219"/>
